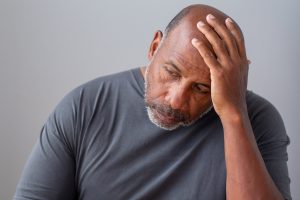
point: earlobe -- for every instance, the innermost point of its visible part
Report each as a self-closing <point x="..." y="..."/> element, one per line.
<point x="155" y="43"/>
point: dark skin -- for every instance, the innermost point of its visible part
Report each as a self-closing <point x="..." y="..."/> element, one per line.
<point x="202" y="62"/>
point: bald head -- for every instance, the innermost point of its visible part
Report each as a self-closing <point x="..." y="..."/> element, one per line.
<point x="183" y="28"/>
<point x="192" y="14"/>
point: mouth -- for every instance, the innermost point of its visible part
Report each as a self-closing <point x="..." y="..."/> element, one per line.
<point x="163" y="118"/>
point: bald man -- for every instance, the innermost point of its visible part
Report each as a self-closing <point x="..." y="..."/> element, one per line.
<point x="184" y="127"/>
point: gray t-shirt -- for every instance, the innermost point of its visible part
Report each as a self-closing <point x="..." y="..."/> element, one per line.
<point x="99" y="144"/>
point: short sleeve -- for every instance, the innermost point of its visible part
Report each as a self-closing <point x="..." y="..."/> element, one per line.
<point x="50" y="170"/>
<point x="272" y="141"/>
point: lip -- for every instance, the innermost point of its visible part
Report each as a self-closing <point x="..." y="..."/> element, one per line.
<point x="165" y="119"/>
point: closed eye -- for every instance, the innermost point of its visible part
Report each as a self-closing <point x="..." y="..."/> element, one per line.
<point x="200" y="88"/>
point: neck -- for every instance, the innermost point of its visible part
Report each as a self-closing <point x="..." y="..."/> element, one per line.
<point x="143" y="69"/>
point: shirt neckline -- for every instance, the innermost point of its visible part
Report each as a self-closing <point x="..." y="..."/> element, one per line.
<point x="139" y="78"/>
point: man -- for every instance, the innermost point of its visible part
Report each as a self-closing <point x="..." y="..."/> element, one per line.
<point x="202" y="135"/>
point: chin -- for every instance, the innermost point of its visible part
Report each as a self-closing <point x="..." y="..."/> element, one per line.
<point x="170" y="124"/>
<point x="160" y="123"/>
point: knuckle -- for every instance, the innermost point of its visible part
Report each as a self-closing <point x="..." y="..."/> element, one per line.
<point x="209" y="31"/>
<point x="231" y="39"/>
<point x="207" y="54"/>
<point x="220" y="43"/>
<point x="219" y="73"/>
<point x="231" y="69"/>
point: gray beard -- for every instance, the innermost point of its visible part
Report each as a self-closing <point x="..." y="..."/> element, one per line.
<point x="161" y="125"/>
<point x="174" y="126"/>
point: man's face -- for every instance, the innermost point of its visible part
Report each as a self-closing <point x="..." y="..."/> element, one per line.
<point x="177" y="83"/>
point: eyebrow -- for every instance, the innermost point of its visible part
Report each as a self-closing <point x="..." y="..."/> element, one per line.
<point x="179" y="71"/>
<point x="174" y="66"/>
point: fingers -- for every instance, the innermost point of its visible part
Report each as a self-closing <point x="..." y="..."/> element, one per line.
<point x="226" y="38"/>
<point x="225" y="35"/>
<point x="239" y="38"/>
<point x="205" y="53"/>
<point x="216" y="42"/>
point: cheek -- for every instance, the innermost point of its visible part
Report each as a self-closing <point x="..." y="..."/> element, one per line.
<point x="157" y="85"/>
<point x="156" y="91"/>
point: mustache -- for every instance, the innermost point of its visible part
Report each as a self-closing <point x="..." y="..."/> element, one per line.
<point x="167" y="110"/>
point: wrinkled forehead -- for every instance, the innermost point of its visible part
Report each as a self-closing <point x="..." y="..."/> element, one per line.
<point x="178" y="46"/>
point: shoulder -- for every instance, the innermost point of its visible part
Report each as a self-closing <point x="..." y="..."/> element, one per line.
<point x="112" y="80"/>
<point x="258" y="106"/>
<point x="83" y="97"/>
<point x="74" y="111"/>
<point x="266" y="120"/>
<point x="255" y="101"/>
<point x="99" y="86"/>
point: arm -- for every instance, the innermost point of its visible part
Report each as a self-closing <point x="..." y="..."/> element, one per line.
<point x="247" y="175"/>
<point x="50" y="170"/>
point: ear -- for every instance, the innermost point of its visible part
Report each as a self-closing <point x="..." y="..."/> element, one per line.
<point x="155" y="43"/>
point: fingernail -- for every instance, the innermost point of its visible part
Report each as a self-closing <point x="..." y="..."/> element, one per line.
<point x="200" y="24"/>
<point x="229" y="20"/>
<point x="195" y="41"/>
<point x="210" y="16"/>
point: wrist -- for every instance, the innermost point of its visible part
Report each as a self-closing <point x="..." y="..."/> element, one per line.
<point x="234" y="113"/>
<point x="235" y="118"/>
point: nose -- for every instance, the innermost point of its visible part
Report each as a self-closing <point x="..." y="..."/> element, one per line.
<point x="177" y="97"/>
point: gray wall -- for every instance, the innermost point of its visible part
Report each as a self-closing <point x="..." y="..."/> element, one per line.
<point x="49" y="47"/>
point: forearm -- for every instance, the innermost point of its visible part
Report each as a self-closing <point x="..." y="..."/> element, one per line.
<point x="247" y="176"/>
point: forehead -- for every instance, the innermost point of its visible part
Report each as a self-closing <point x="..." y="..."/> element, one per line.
<point x="178" y="48"/>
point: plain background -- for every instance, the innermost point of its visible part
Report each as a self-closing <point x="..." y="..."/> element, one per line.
<point x="49" y="47"/>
